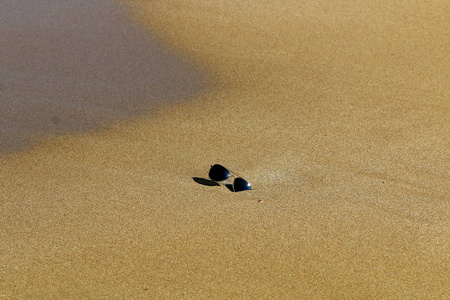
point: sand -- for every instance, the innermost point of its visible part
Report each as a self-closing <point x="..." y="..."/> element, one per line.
<point x="336" y="113"/>
<point x="74" y="66"/>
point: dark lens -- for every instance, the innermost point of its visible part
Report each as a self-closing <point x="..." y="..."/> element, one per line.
<point x="219" y="173"/>
<point x="241" y="184"/>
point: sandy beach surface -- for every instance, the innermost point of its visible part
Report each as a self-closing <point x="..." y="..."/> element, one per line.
<point x="81" y="65"/>
<point x="337" y="112"/>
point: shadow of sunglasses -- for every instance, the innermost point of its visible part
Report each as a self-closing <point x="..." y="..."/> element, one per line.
<point x="224" y="176"/>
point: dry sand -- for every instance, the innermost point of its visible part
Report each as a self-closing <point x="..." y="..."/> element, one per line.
<point x="336" y="112"/>
<point x="79" y="65"/>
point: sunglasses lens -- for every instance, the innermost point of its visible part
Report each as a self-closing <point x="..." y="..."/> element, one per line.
<point x="241" y="184"/>
<point x="219" y="173"/>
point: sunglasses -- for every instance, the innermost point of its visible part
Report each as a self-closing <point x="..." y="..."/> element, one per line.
<point x="224" y="176"/>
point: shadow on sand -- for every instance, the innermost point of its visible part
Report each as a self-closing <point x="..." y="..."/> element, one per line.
<point x="208" y="182"/>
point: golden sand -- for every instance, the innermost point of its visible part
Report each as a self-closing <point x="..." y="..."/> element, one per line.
<point x="338" y="115"/>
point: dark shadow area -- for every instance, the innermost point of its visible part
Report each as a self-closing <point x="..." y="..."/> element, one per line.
<point x="230" y="187"/>
<point x="208" y="182"/>
<point x="204" y="181"/>
<point x="80" y="65"/>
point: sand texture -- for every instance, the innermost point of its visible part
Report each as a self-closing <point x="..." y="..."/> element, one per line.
<point x="337" y="113"/>
<point x="79" y="65"/>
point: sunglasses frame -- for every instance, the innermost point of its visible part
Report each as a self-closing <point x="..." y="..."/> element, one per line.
<point x="232" y="178"/>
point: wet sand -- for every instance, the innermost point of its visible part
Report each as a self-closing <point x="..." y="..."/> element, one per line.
<point x="337" y="113"/>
